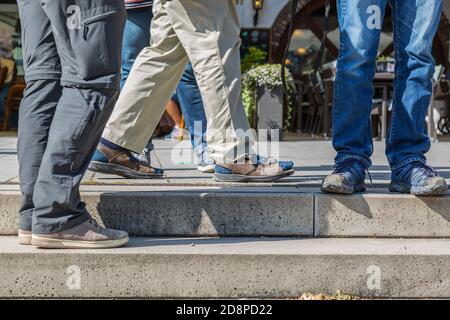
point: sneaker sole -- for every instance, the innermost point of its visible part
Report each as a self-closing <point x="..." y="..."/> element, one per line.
<point x="347" y="189"/>
<point x="206" y="169"/>
<point x="49" y="243"/>
<point x="25" y="240"/>
<point x="438" y="190"/>
<point x="219" y="177"/>
<point x="109" y="168"/>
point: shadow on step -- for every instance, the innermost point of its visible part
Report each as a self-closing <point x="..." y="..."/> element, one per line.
<point x="192" y="242"/>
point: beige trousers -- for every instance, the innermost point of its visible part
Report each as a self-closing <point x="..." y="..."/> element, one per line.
<point x="206" y="32"/>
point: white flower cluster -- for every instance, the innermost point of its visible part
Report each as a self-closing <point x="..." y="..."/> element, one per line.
<point x="266" y="75"/>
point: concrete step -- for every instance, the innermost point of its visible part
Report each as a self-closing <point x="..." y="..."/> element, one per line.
<point x="252" y="211"/>
<point x="230" y="268"/>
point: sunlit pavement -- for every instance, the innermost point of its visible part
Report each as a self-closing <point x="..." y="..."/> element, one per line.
<point x="313" y="160"/>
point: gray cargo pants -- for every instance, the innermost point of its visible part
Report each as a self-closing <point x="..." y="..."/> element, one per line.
<point x="72" y="54"/>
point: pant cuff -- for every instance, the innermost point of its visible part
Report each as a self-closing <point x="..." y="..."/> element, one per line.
<point x="407" y="161"/>
<point x="124" y="143"/>
<point x="367" y="163"/>
<point x="61" y="226"/>
<point x="26" y="220"/>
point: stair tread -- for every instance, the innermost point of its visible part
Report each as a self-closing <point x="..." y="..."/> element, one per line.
<point x="6" y="189"/>
<point x="252" y="246"/>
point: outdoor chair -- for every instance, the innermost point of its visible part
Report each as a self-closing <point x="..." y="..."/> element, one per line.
<point x="306" y="106"/>
<point x="443" y="94"/>
<point x="328" y="78"/>
<point x="313" y="114"/>
<point x="376" y="118"/>
<point x="3" y="74"/>
<point x="431" y="128"/>
<point x="297" y="116"/>
<point x="318" y="90"/>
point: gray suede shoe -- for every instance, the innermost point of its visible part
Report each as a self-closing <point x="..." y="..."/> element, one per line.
<point x="88" y="235"/>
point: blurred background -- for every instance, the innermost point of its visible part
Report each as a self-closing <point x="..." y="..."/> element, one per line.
<point x="264" y="39"/>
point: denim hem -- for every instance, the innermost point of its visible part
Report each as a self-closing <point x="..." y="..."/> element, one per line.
<point x="408" y="161"/>
<point x="26" y="220"/>
<point x="61" y="226"/>
<point x="367" y="163"/>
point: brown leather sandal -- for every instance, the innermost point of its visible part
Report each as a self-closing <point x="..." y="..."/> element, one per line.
<point x="122" y="163"/>
<point x="248" y="172"/>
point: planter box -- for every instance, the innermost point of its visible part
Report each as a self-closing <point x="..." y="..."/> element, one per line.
<point x="269" y="111"/>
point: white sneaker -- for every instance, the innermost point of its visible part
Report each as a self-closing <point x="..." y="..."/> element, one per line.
<point x="206" y="168"/>
<point x="206" y="164"/>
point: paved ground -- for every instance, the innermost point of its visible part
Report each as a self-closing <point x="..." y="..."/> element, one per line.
<point x="312" y="158"/>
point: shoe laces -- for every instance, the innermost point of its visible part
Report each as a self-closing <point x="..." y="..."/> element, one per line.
<point x="283" y="164"/>
<point x="264" y="160"/>
<point x="133" y="156"/>
<point x="205" y="160"/>
<point x="352" y="169"/>
<point x="416" y="172"/>
<point x="93" y="222"/>
<point x="143" y="157"/>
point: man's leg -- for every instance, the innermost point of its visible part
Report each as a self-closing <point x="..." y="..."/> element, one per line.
<point x="153" y="78"/>
<point x="210" y="35"/>
<point x="136" y="37"/>
<point x="191" y="104"/>
<point x="88" y="36"/>
<point x="415" y="25"/>
<point x="43" y="72"/>
<point x="3" y="94"/>
<point x="360" y="24"/>
<point x="206" y="26"/>
<point x="209" y="31"/>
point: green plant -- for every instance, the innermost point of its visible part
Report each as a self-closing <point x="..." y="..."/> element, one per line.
<point x="385" y="59"/>
<point x="252" y="58"/>
<point x="269" y="76"/>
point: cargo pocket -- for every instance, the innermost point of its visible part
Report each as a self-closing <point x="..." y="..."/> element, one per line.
<point x="61" y="187"/>
<point x="82" y="139"/>
<point x="96" y="47"/>
<point x="55" y="188"/>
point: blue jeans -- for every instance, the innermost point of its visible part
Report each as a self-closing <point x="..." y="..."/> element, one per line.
<point x="415" y="25"/>
<point x="136" y="38"/>
<point x="3" y="95"/>
<point x="190" y="100"/>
